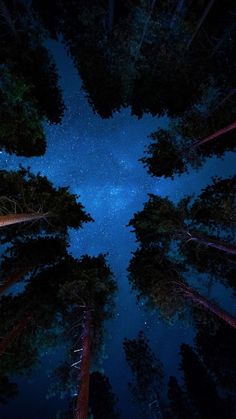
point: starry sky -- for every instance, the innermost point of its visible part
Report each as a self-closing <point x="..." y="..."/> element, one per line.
<point x="98" y="159"/>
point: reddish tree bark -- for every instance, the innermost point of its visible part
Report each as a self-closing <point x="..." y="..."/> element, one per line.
<point x="13" y="334"/>
<point x="9" y="219"/>
<point x="224" y="247"/>
<point x="210" y="137"/>
<point x="81" y="411"/>
<point x="208" y="305"/>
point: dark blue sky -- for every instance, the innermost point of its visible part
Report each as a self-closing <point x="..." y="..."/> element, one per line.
<point x="98" y="159"/>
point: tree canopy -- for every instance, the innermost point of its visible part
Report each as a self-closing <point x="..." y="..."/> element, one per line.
<point x="34" y="198"/>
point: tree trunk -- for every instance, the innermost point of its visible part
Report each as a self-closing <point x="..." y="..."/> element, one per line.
<point x="208" y="305"/>
<point x="200" y="22"/>
<point x="177" y="13"/>
<point x="211" y="137"/>
<point x="4" y="13"/>
<point x="81" y="411"/>
<point x="9" y="219"/>
<point x="13" y="334"/>
<point x="222" y="246"/>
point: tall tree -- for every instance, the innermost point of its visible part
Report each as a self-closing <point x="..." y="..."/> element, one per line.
<point x="148" y="376"/>
<point x="215" y="347"/>
<point x="216" y="204"/>
<point x="27" y="197"/>
<point x="102" y="400"/>
<point x="54" y="301"/>
<point x="168" y="154"/>
<point x="88" y="298"/>
<point x="21" y="129"/>
<point x="201" y="388"/>
<point x="162" y="222"/>
<point x="200" y="395"/>
<point x="180" y="405"/>
<point x="28" y="59"/>
<point x="25" y="256"/>
<point x="159" y="280"/>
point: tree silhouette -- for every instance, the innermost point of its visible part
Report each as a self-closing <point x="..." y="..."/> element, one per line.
<point x="25" y="256"/>
<point x="180" y="405"/>
<point x="102" y="400"/>
<point x="21" y="128"/>
<point x="159" y="280"/>
<point x="168" y="154"/>
<point x="199" y="397"/>
<point x="148" y="376"/>
<point x="90" y="293"/>
<point x="216" y="349"/>
<point x="201" y="387"/>
<point x="81" y="291"/>
<point x="25" y="197"/>
<point x="28" y="59"/>
<point x="161" y="221"/>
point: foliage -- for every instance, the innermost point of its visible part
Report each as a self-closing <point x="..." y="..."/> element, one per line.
<point x="21" y="130"/>
<point x="190" y="228"/>
<point x="147" y="372"/>
<point x="24" y="192"/>
<point x="102" y="400"/>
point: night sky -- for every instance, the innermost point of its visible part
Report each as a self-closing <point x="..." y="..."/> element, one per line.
<point x="98" y="159"/>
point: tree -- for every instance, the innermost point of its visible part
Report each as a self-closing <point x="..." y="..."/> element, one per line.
<point x="65" y="287"/>
<point x="13" y="334"/>
<point x="200" y="386"/>
<point x="213" y="136"/>
<point x="162" y="222"/>
<point x="89" y="293"/>
<point x="215" y="205"/>
<point x="28" y="316"/>
<point x="25" y="256"/>
<point x="102" y="400"/>
<point x="29" y="60"/>
<point x="21" y="129"/>
<point x="148" y="376"/>
<point x="30" y="93"/>
<point x="138" y="53"/>
<point x="164" y="158"/>
<point x="180" y="405"/>
<point x="159" y="279"/>
<point x="25" y="197"/>
<point x="199" y="396"/>
<point x="167" y="154"/>
<point x="215" y="347"/>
